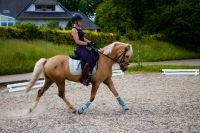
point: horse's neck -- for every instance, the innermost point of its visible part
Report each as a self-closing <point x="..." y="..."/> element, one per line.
<point x="105" y="61"/>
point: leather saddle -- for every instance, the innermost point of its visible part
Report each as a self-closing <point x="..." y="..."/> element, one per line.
<point x="77" y="57"/>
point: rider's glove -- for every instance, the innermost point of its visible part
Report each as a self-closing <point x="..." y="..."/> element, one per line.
<point x="91" y="45"/>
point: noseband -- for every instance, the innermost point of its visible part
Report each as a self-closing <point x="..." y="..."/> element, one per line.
<point x="122" y="63"/>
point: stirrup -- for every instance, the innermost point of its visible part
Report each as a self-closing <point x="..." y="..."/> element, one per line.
<point x="87" y="81"/>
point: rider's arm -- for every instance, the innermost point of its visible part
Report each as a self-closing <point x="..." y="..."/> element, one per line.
<point x="76" y="38"/>
<point x="86" y="40"/>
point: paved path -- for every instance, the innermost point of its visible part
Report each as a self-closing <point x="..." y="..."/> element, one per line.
<point x="27" y="76"/>
<point x="15" y="78"/>
<point x="189" y="62"/>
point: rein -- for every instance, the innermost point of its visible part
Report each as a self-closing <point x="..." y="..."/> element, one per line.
<point x="122" y="56"/>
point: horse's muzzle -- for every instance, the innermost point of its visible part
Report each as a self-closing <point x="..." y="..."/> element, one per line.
<point x="124" y="66"/>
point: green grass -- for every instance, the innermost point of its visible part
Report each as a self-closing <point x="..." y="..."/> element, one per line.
<point x="153" y="50"/>
<point x="19" y="56"/>
<point x="158" y="68"/>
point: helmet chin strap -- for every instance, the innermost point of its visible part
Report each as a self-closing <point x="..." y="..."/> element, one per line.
<point x="77" y="24"/>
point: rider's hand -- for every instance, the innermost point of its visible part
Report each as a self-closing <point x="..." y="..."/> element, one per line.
<point x="91" y="44"/>
<point x="85" y="43"/>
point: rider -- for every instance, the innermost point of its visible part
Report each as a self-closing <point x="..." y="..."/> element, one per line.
<point x="81" y="48"/>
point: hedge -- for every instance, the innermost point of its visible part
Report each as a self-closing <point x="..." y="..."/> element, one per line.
<point x="56" y="36"/>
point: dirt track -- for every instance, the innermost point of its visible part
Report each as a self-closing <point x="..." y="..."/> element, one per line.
<point x="157" y="104"/>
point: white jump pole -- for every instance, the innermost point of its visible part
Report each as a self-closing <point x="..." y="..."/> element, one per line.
<point x="180" y="71"/>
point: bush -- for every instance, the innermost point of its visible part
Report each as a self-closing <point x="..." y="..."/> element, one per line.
<point x="101" y="38"/>
<point x="53" y="25"/>
<point x="57" y="36"/>
<point x="9" y="33"/>
<point x="30" y="32"/>
<point x="68" y="26"/>
<point x="50" y="25"/>
<point x="159" y="37"/>
<point x="133" y="35"/>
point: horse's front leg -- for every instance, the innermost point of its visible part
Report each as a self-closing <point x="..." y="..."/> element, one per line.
<point x="92" y="97"/>
<point x="110" y="85"/>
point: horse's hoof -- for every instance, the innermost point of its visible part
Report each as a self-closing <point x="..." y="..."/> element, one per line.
<point x="30" y="110"/>
<point x="74" y="111"/>
<point x="80" y="110"/>
<point x="125" y="108"/>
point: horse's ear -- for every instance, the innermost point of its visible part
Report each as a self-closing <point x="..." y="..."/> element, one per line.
<point x="127" y="48"/>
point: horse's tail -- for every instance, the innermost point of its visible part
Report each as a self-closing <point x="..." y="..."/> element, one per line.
<point x="38" y="69"/>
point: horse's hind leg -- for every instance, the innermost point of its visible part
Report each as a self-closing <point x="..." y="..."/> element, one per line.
<point x="47" y="84"/>
<point x="61" y="94"/>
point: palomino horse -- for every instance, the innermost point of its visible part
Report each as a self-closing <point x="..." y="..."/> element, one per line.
<point x="56" y="70"/>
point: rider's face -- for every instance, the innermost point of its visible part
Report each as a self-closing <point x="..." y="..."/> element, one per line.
<point x="80" y="22"/>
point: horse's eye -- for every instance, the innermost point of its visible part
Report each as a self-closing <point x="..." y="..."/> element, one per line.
<point x="127" y="56"/>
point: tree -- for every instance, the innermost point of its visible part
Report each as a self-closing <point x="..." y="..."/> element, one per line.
<point x="179" y="20"/>
<point x="69" y="25"/>
<point x="89" y="6"/>
<point x="113" y="18"/>
<point x="72" y="5"/>
<point x="86" y="6"/>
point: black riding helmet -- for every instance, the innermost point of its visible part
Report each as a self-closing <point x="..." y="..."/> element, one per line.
<point x="76" y="17"/>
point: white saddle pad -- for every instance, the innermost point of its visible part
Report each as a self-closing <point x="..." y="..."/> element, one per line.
<point x="75" y="67"/>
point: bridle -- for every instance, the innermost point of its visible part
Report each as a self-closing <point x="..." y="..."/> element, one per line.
<point x="122" y="63"/>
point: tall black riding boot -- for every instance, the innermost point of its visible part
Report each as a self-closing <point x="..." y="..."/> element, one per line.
<point x="85" y="78"/>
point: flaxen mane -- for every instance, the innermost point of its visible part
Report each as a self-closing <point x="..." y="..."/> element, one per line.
<point x="108" y="49"/>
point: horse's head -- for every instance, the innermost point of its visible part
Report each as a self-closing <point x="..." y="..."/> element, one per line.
<point x="120" y="52"/>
